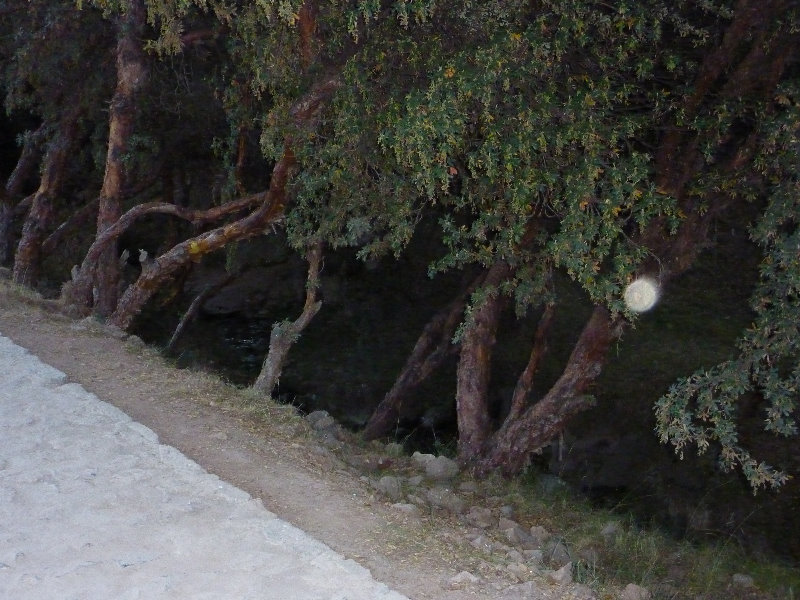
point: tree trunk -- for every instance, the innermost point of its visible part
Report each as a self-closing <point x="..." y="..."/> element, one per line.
<point x="285" y="334"/>
<point x="24" y="169"/>
<point x="77" y="292"/>
<point x="77" y="219"/>
<point x="432" y="348"/>
<point x="514" y="442"/>
<point x="270" y="211"/>
<point x="193" y="249"/>
<point x="131" y="73"/>
<point x="194" y="308"/>
<point x="525" y="382"/>
<point x="474" y="368"/>
<point x="27" y="260"/>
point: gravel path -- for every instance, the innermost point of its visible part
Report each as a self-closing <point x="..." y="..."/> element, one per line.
<point x="92" y="506"/>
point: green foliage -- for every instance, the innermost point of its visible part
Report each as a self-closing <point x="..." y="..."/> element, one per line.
<point x="702" y="409"/>
<point x="529" y="131"/>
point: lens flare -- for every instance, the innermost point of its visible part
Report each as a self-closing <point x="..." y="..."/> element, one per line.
<point x="641" y="295"/>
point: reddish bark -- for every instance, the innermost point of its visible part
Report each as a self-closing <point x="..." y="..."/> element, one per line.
<point x="23" y="171"/>
<point x="131" y="73"/>
<point x="284" y="335"/>
<point x="307" y="26"/>
<point x="78" y="291"/>
<point x="270" y="211"/>
<point x="525" y="381"/>
<point x="474" y="368"/>
<point x="513" y="443"/>
<point x="6" y="228"/>
<point x="433" y="347"/>
<point x="27" y="260"/>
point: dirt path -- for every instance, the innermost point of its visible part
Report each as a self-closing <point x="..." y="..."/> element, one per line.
<point x="269" y="452"/>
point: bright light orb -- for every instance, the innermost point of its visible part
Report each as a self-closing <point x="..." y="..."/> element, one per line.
<point x="641" y="295"/>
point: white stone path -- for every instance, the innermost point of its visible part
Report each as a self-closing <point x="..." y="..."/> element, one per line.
<point x="92" y="507"/>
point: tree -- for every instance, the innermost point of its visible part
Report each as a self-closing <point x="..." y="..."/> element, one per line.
<point x="594" y="140"/>
<point x="600" y="140"/>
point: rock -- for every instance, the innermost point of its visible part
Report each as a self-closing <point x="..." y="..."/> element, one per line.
<point x="517" y="535"/>
<point x="422" y="459"/>
<point x="480" y="516"/>
<point x="415" y="481"/>
<point x="390" y="486"/>
<point x="320" y="419"/>
<point x="562" y="575"/>
<point x="506" y="523"/>
<point x="635" y="592"/>
<point x="742" y="581"/>
<point x="416" y="500"/>
<point x="520" y="571"/>
<point x="555" y="553"/>
<point x="463" y="579"/>
<point x="482" y="543"/>
<point x="522" y="591"/>
<point x="582" y="592"/>
<point x="533" y="556"/>
<point x="394" y="449"/>
<point x="409" y="509"/>
<point x="539" y="535"/>
<point x="515" y="555"/>
<point x="468" y="487"/>
<point x="507" y="511"/>
<point x="447" y="500"/>
<point x="441" y="468"/>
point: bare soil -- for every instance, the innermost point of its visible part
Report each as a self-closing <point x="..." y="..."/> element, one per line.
<point x="268" y="451"/>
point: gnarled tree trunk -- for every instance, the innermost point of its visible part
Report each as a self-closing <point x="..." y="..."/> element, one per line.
<point x="131" y="73"/>
<point x="27" y="260"/>
<point x="525" y="433"/>
<point x="474" y="367"/>
<point x="13" y="189"/>
<point x="431" y="350"/>
<point x="285" y="334"/>
<point x="270" y="211"/>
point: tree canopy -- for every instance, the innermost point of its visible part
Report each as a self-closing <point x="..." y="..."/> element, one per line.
<point x="599" y="140"/>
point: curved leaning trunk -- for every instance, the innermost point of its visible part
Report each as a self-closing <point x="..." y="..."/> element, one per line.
<point x="131" y="73"/>
<point x="285" y="334"/>
<point x="165" y="266"/>
<point x="270" y="211"/>
<point x="27" y="260"/>
<point x="433" y="347"/>
<point x="536" y="426"/>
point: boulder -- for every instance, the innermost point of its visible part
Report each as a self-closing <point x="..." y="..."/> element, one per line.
<point x="556" y="553"/>
<point x="561" y="576"/>
<point x="390" y="486"/>
<point x="447" y="500"/>
<point x="540" y="535"/>
<point x="441" y="468"/>
<point x="635" y="592"/>
<point x="741" y="580"/>
<point x="480" y="517"/>
<point x="463" y="579"/>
